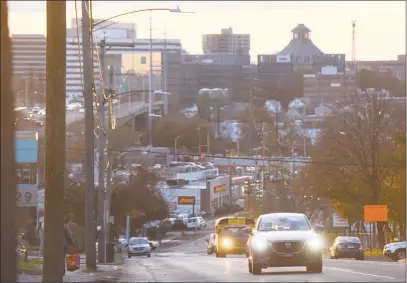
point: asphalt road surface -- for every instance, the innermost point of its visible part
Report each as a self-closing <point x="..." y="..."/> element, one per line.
<point x="189" y="262"/>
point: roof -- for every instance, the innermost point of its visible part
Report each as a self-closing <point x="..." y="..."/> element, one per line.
<point x="301" y="46"/>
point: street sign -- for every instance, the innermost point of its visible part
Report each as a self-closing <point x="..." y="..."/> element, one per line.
<point x="143" y="60"/>
<point x="186" y="200"/>
<point x="338" y="221"/>
<point x="26" y="195"/>
<point x="375" y="213"/>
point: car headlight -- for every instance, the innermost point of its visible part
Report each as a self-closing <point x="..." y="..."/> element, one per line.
<point x="227" y="243"/>
<point x="315" y="244"/>
<point x="259" y="244"/>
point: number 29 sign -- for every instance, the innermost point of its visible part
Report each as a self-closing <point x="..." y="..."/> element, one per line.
<point x="26" y="196"/>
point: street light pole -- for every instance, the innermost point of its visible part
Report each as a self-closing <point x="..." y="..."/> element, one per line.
<point x="176" y="147"/>
<point x="150" y="87"/>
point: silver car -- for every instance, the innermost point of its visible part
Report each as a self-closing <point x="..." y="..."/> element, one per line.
<point x="285" y="239"/>
<point x="138" y="246"/>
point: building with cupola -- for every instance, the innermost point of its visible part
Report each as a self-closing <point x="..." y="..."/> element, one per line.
<point x="300" y="56"/>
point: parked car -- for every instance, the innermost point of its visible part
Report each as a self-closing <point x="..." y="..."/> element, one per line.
<point x="193" y="223"/>
<point x="395" y="251"/>
<point x="179" y="224"/>
<point x="201" y="222"/>
<point x="347" y="247"/>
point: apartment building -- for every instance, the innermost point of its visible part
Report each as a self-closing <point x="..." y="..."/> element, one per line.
<point x="226" y="42"/>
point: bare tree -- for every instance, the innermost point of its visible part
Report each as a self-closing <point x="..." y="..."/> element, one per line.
<point x="349" y="157"/>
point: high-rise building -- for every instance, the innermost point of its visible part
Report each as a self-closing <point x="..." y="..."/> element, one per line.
<point x="226" y="42"/>
<point x="28" y="51"/>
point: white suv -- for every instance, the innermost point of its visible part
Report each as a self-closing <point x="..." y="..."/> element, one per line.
<point x="395" y="251"/>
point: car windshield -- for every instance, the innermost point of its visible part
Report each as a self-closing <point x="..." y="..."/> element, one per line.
<point x="192" y="220"/>
<point x="348" y="240"/>
<point x="283" y="223"/>
<point x="138" y="241"/>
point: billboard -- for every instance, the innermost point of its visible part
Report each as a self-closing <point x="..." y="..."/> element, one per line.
<point x="338" y="221"/>
<point x="186" y="200"/>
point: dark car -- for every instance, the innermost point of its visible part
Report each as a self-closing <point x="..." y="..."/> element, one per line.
<point x="285" y="239"/>
<point x="347" y="247"/>
<point x="179" y="225"/>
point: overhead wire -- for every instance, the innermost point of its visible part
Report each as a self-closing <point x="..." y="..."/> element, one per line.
<point x="93" y="39"/>
<point x="264" y="159"/>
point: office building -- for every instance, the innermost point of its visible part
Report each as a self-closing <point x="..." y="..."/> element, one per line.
<point x="28" y="54"/>
<point x="226" y="42"/>
<point x="121" y="47"/>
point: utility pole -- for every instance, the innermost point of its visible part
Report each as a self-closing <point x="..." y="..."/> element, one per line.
<point x="8" y="170"/>
<point x="109" y="154"/>
<point x="150" y="88"/>
<point x="165" y="66"/>
<point x="90" y="227"/>
<point x="102" y="142"/>
<point x="208" y="141"/>
<point x="55" y="142"/>
<point x="250" y="120"/>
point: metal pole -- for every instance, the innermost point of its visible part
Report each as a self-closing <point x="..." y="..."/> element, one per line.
<point x="250" y="120"/>
<point x="208" y="142"/>
<point x="165" y="74"/>
<point x="109" y="156"/>
<point x="8" y="170"/>
<point x="199" y="140"/>
<point x="90" y="229"/>
<point x="150" y="88"/>
<point x="101" y="185"/>
<point x="55" y="143"/>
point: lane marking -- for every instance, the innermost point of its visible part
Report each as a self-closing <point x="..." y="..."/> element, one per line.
<point x="361" y="273"/>
<point x="387" y="263"/>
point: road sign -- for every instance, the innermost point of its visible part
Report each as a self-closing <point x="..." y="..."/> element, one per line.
<point x="186" y="200"/>
<point x="219" y="188"/>
<point x="338" y="221"/>
<point x="375" y="213"/>
<point x="26" y="195"/>
<point x="143" y="60"/>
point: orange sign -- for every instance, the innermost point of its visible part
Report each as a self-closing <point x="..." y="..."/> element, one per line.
<point x="375" y="213"/>
<point x="220" y="188"/>
<point x="186" y="200"/>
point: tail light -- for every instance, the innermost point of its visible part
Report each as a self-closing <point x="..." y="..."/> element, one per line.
<point x="340" y="246"/>
<point x="361" y="247"/>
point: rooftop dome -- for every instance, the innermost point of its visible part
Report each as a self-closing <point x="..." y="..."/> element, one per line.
<point x="301" y="43"/>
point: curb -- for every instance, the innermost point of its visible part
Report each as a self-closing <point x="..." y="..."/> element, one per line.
<point x="29" y="271"/>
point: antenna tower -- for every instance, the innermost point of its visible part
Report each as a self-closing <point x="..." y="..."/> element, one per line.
<point x="353" y="46"/>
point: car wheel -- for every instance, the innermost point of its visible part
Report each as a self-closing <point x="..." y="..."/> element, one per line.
<point x="129" y="256"/>
<point x="256" y="269"/>
<point x="400" y="254"/>
<point x="250" y="266"/>
<point x="315" y="267"/>
<point x="149" y="255"/>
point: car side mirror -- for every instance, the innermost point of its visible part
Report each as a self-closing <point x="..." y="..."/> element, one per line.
<point x="318" y="228"/>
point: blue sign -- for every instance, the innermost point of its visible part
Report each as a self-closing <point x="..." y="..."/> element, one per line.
<point x="26" y="147"/>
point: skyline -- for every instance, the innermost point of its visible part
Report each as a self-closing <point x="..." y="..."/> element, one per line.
<point x="268" y="23"/>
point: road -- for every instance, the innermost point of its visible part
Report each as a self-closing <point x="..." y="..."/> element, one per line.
<point x="121" y="110"/>
<point x="189" y="262"/>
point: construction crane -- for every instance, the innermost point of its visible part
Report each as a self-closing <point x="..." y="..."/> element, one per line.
<point x="353" y="46"/>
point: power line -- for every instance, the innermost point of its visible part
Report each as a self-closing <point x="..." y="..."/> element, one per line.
<point x="241" y="158"/>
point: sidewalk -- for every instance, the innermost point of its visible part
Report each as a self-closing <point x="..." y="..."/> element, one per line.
<point x="104" y="273"/>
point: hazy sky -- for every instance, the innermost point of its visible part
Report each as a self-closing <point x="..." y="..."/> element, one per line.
<point x="380" y="25"/>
